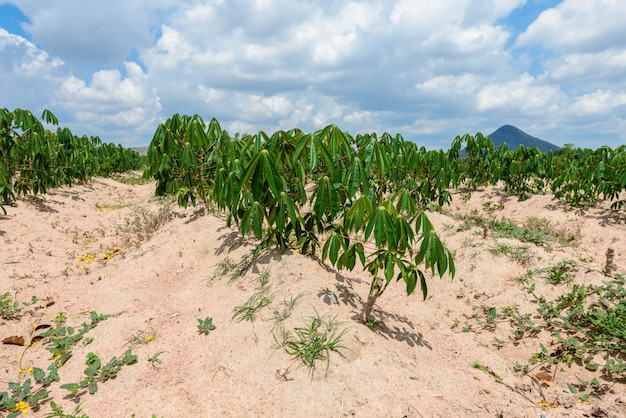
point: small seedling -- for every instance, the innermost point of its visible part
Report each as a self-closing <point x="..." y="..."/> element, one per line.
<point x="562" y="272"/>
<point x="371" y="324"/>
<point x="258" y="300"/>
<point x="141" y="337"/>
<point x="10" y="308"/>
<point x="314" y="341"/>
<point x="205" y="325"/>
<point x="57" y="412"/>
<point x="154" y="359"/>
<point x="286" y="307"/>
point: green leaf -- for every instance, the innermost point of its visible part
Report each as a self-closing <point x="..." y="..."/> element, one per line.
<point x="270" y="171"/>
<point x="332" y="246"/>
<point x="382" y="225"/>
<point x="359" y="212"/>
<point x="423" y="284"/>
<point x="71" y="387"/>
<point x="93" y="387"/>
<point x="410" y="278"/>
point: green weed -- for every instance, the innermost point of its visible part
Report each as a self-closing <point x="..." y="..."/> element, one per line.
<point x="519" y="254"/>
<point x="258" y="300"/>
<point x="97" y="373"/>
<point x="314" y="341"/>
<point x="10" y="308"/>
<point x="57" y="412"/>
<point x="205" y="325"/>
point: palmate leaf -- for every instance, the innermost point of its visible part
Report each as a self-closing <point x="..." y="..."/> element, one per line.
<point x="308" y="145"/>
<point x="404" y="234"/>
<point x="261" y="169"/>
<point x="253" y="215"/>
<point x="382" y="225"/>
<point x="286" y="209"/>
<point x="332" y="246"/>
<point x="325" y="199"/>
<point x="435" y="255"/>
<point x="355" y="177"/>
<point x="358" y="213"/>
<point x="349" y="256"/>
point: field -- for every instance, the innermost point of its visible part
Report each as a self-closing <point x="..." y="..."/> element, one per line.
<point x="218" y="333"/>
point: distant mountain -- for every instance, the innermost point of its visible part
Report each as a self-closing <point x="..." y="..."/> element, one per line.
<point x="515" y="137"/>
<point x="141" y="150"/>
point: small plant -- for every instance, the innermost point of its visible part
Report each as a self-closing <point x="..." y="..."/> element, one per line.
<point x="57" y="412"/>
<point x="490" y="209"/>
<point x="205" y="325"/>
<point x="96" y="373"/>
<point x="10" y="308"/>
<point x="519" y="254"/>
<point x="285" y="309"/>
<point x="141" y="337"/>
<point x="315" y="341"/>
<point x="227" y="267"/>
<point x="562" y="272"/>
<point x="62" y="338"/>
<point x="154" y="359"/>
<point x="485" y="369"/>
<point x="258" y="300"/>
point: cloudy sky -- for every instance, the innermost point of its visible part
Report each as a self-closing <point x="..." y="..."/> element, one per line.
<point x="428" y="70"/>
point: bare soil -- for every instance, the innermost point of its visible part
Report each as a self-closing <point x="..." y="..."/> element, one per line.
<point x="114" y="248"/>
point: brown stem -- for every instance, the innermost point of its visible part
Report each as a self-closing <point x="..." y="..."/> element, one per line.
<point x="378" y="286"/>
<point x="608" y="267"/>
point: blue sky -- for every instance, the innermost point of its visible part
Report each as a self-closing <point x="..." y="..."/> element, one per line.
<point x="116" y="69"/>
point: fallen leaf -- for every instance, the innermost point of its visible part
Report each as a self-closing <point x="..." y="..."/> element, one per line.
<point x="15" y="340"/>
<point x="47" y="302"/>
<point x="543" y="376"/>
<point x="546" y="383"/>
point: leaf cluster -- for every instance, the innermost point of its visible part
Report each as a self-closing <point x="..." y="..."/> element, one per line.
<point x="10" y="308"/>
<point x="34" y="159"/>
<point x="97" y="373"/>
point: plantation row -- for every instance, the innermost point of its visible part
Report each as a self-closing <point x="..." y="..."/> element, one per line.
<point x="34" y="159"/>
<point x="331" y="191"/>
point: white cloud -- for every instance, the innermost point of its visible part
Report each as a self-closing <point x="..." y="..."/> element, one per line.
<point x="111" y="102"/>
<point x="523" y="94"/>
<point x="608" y="66"/>
<point x="29" y="75"/>
<point x="580" y="26"/>
<point x="598" y="102"/>
<point x="78" y="30"/>
<point x="429" y="70"/>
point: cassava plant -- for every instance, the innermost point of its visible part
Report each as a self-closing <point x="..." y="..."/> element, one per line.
<point x="320" y="190"/>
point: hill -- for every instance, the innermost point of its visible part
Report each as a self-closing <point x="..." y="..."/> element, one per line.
<point x="514" y="137"/>
<point x="141" y="150"/>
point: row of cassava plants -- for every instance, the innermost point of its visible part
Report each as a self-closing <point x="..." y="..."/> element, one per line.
<point x="34" y="159"/>
<point x="580" y="176"/>
<point x="333" y="191"/>
<point x="357" y="199"/>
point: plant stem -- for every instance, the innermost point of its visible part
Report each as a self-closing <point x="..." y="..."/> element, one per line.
<point x="608" y="267"/>
<point x="375" y="291"/>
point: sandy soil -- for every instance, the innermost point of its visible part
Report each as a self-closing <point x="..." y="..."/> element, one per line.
<point x="115" y="249"/>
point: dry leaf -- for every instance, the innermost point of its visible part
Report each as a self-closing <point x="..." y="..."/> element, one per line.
<point x="543" y="376"/>
<point x="546" y="383"/>
<point x="47" y="302"/>
<point x="15" y="340"/>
